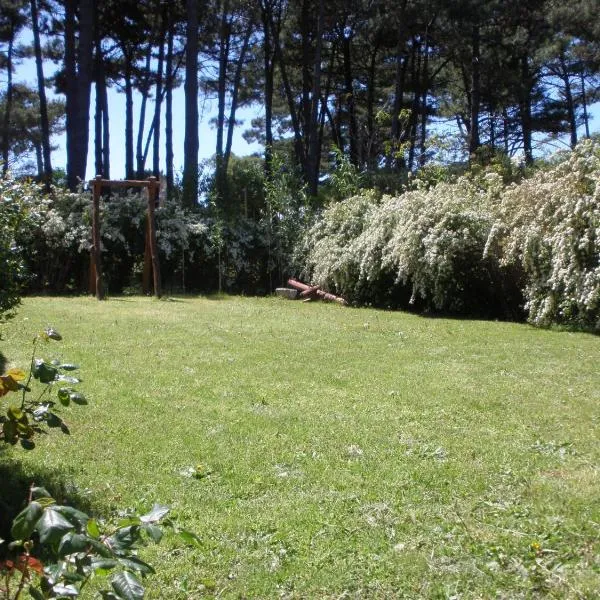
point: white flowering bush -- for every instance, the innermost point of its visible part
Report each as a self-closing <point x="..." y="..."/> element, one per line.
<point x="13" y="216"/>
<point x="329" y="245"/>
<point x="436" y="243"/>
<point x="426" y="246"/>
<point x="549" y="226"/>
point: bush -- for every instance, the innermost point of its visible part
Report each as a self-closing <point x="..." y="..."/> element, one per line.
<point x="13" y="274"/>
<point x="549" y="227"/>
<point x="422" y="248"/>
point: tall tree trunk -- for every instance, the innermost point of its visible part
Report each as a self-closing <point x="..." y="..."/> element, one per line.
<point x="306" y="34"/>
<point x="191" y="144"/>
<point x="569" y="100"/>
<point x="71" y="87"/>
<point x="78" y="118"/>
<point x="586" y="119"/>
<point x="266" y="11"/>
<point x="314" y="157"/>
<point x="349" y="96"/>
<point x="424" y="93"/>
<point x="9" y="101"/>
<point x="505" y="130"/>
<point x="525" y="110"/>
<point x="224" y="44"/>
<point x="298" y="142"/>
<point x="169" y="107"/>
<point x="44" y="122"/>
<point x="129" y="155"/>
<point x="105" y="131"/>
<point x="145" y="89"/>
<point x="98" y="156"/>
<point x="475" y="94"/>
<point x="159" y="94"/>
<point x="414" y="113"/>
<point x="368" y="152"/>
<point x="234" y="96"/>
<point x="101" y="151"/>
<point x="399" y="80"/>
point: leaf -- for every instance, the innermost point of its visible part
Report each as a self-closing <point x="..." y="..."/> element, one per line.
<point x="43" y="371"/>
<point x="189" y="537"/>
<point x="127" y="521"/>
<point x="101" y="549"/>
<point x="39" y="492"/>
<point x="53" y="334"/>
<point x="154" y="532"/>
<point x="68" y="379"/>
<point x="35" y="565"/>
<point x="27" y="444"/>
<point x="93" y="529"/>
<point x="25" y="522"/>
<point x="9" y="431"/>
<point x="17" y="374"/>
<point x="65" y="590"/>
<point x="53" y="420"/>
<point x="78" y="398"/>
<point x="156" y="514"/>
<point x="52" y="526"/>
<point x="64" y="396"/>
<point x="9" y="383"/>
<point x="133" y="563"/>
<point x="72" y="514"/>
<point x="105" y="564"/>
<point x="71" y="543"/>
<point x="14" y="413"/>
<point x="125" y="537"/>
<point x="35" y="593"/>
<point x="46" y="501"/>
<point x="127" y="586"/>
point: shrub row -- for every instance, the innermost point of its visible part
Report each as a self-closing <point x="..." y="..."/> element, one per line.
<point x="475" y="246"/>
<point x="45" y="242"/>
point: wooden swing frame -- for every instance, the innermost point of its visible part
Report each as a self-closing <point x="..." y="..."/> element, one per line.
<point x="151" y="260"/>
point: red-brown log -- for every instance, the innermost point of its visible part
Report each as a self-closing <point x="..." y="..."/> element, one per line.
<point x="302" y="287"/>
<point x="312" y="291"/>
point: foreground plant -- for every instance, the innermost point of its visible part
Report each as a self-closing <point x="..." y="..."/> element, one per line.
<point x="37" y="410"/>
<point x="56" y="549"/>
<point x="76" y="548"/>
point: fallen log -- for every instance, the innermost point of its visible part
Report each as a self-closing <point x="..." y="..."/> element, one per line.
<point x="309" y="291"/>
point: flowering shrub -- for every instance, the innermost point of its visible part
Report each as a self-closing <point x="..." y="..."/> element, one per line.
<point x="14" y="199"/>
<point x="329" y="246"/>
<point x="549" y="226"/>
<point x="428" y="241"/>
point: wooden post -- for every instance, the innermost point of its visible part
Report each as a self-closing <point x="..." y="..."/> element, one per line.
<point x="147" y="272"/>
<point x="152" y="199"/>
<point x="96" y="255"/>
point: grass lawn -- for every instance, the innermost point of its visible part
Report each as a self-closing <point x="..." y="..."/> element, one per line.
<point x="348" y="453"/>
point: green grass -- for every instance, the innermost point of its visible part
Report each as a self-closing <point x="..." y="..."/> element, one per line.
<point x="352" y="453"/>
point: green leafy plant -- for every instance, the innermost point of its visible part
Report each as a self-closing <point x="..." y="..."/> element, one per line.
<point x="58" y="549"/>
<point x="76" y="549"/>
<point x="37" y="410"/>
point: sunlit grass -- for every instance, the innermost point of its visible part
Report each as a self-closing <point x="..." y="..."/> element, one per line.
<point x="344" y="453"/>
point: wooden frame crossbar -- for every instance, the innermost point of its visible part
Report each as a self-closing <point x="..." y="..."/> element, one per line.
<point x="151" y="261"/>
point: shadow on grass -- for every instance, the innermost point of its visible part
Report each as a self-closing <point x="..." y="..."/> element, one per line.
<point x="16" y="482"/>
<point x="3" y="362"/>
